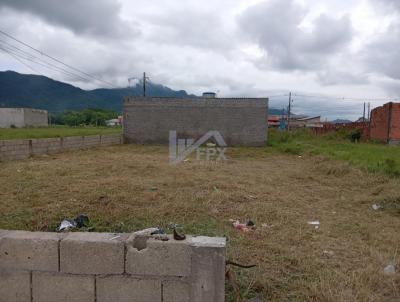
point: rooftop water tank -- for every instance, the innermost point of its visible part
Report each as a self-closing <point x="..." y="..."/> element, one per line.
<point x="209" y="95"/>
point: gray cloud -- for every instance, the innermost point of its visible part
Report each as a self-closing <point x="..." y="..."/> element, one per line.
<point x="194" y="29"/>
<point x="382" y="55"/>
<point x="330" y="77"/>
<point x="92" y="17"/>
<point x="275" y="26"/>
<point x="190" y="25"/>
<point x="387" y="4"/>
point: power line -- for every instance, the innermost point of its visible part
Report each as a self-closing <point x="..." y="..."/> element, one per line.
<point x="346" y="98"/>
<point x="20" y="61"/>
<point x="277" y="96"/>
<point x="55" y="59"/>
<point x="44" y="64"/>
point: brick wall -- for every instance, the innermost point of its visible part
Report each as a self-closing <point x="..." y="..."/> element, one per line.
<point x="21" y="149"/>
<point x="395" y="124"/>
<point x="362" y="126"/>
<point x="385" y="123"/>
<point x="240" y="121"/>
<point x="103" y="267"/>
<point x="380" y="123"/>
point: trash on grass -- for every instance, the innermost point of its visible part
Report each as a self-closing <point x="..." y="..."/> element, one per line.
<point x="172" y="226"/>
<point x="178" y="236"/>
<point x="67" y="225"/>
<point x="250" y="223"/>
<point x="389" y="270"/>
<point x="328" y="253"/>
<point x="240" y="226"/>
<point x="245" y="227"/>
<point x="79" y="222"/>
<point x="376" y="206"/>
<point x="315" y="223"/>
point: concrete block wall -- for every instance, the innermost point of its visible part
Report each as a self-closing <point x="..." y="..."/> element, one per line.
<point x="104" y="267"/>
<point x="240" y="121"/>
<point x="23" y="117"/>
<point x="21" y="149"/>
<point x="35" y="118"/>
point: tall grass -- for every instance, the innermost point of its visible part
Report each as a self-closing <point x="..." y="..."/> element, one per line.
<point x="373" y="157"/>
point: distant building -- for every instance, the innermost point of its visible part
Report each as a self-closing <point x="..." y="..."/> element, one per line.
<point x="274" y="121"/>
<point x="23" y="117"/>
<point x="306" y="122"/>
<point x="115" y="121"/>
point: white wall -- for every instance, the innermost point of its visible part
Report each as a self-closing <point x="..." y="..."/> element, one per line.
<point x="35" y="118"/>
<point x="11" y="116"/>
<point x="23" y="117"/>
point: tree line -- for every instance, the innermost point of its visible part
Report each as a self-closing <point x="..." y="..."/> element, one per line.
<point x="86" y="117"/>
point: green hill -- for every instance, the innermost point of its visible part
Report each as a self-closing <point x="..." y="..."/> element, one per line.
<point x="34" y="91"/>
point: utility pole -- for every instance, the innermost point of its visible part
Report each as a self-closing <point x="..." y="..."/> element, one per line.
<point x="289" y="108"/>
<point x="364" y="113"/>
<point x="144" y="84"/>
<point x="369" y="111"/>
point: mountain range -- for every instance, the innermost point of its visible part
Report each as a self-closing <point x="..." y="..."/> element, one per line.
<point x="36" y="91"/>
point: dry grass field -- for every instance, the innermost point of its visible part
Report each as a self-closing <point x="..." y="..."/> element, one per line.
<point x="126" y="188"/>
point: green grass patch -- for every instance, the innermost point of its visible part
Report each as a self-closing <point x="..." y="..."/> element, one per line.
<point x="373" y="157"/>
<point x="55" y="131"/>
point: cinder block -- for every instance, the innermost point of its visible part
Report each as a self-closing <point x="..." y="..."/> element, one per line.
<point x="15" y="286"/>
<point x="56" y="287"/>
<point x="159" y="258"/>
<point x="176" y="291"/>
<point x="29" y="251"/>
<point x="3" y="232"/>
<point x="127" y="289"/>
<point x="92" y="253"/>
<point x="208" y="269"/>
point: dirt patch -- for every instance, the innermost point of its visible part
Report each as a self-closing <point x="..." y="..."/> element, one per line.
<point x="125" y="188"/>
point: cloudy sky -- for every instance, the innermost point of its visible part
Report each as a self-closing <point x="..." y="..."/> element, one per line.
<point x="321" y="50"/>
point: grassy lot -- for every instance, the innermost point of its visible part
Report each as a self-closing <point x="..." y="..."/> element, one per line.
<point x="55" y="131"/>
<point x="372" y="157"/>
<point x="126" y="188"/>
